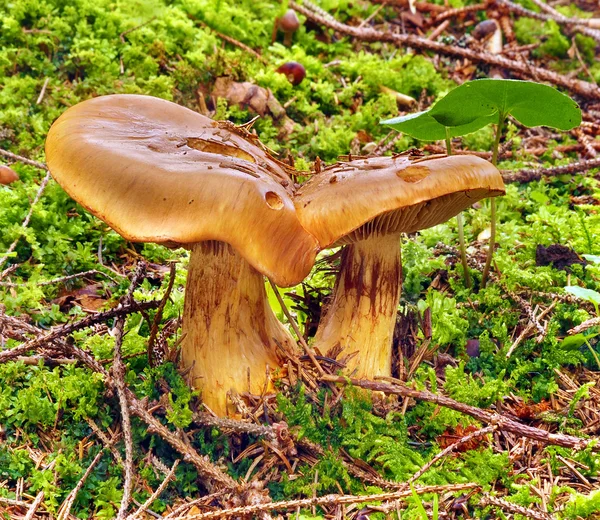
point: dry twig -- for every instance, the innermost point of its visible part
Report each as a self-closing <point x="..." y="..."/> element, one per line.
<point x="327" y="500"/>
<point x="118" y="372"/>
<point x="502" y="423"/>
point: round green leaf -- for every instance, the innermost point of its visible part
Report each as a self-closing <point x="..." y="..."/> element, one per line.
<point x="583" y="293"/>
<point x="422" y="126"/>
<point x="530" y="103"/>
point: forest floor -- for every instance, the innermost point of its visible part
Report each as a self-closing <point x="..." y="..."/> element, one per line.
<point x="493" y="410"/>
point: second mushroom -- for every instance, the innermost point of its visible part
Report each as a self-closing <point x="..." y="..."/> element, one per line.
<point x="365" y="205"/>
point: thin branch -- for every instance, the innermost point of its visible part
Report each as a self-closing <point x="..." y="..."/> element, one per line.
<point x="66" y="330"/>
<point x="156" y="493"/>
<point x="65" y="509"/>
<point x="118" y="371"/>
<point x="578" y="24"/>
<point x="24" y="160"/>
<point x="529" y="329"/>
<point x="61" y="279"/>
<point x="511" y="507"/>
<point x="588" y="324"/>
<point x="36" y="503"/>
<point x="536" y="174"/>
<point x="327" y="500"/>
<point x="479" y="433"/>
<point x="503" y="423"/>
<point x="38" y="195"/>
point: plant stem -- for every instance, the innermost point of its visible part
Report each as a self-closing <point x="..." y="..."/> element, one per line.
<point x="460" y="224"/>
<point x="488" y="261"/>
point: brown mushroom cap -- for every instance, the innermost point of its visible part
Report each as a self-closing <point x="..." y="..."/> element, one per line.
<point x="7" y="175"/>
<point x="377" y="196"/>
<point x="289" y="22"/>
<point x="158" y="172"/>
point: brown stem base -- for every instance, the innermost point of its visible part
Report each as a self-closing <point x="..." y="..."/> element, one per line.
<point x="362" y="314"/>
<point x="231" y="333"/>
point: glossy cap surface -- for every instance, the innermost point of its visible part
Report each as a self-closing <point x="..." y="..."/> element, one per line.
<point x="157" y="172"/>
<point x="353" y="201"/>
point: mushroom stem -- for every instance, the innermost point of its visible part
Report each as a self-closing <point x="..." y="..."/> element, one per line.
<point x="362" y="314"/>
<point x="231" y="333"/>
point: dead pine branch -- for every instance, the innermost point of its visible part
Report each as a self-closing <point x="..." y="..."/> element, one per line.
<point x="582" y="88"/>
<point x="535" y="174"/>
<point x="502" y="423"/>
<point x="156" y="494"/>
<point x="327" y="500"/>
<point x="63" y="331"/>
<point x="34" y="507"/>
<point x="588" y="324"/>
<point x="479" y="433"/>
<point x="65" y="509"/>
<point x="118" y="372"/>
<point x="505" y="505"/>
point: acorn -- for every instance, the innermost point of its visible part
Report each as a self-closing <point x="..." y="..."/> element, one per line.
<point x="288" y="24"/>
<point x="7" y="175"/>
<point x="294" y="71"/>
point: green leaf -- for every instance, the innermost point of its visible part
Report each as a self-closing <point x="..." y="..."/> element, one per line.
<point x="585" y="294"/>
<point x="421" y="125"/>
<point x="574" y="342"/>
<point x="594" y="259"/>
<point x="530" y="103"/>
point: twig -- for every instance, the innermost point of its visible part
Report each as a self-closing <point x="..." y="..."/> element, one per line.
<point x="118" y="372"/>
<point x="128" y="31"/>
<point x="108" y="443"/>
<point x="479" y="433"/>
<point x="207" y="470"/>
<point x="61" y="279"/>
<point x="588" y="324"/>
<point x="327" y="500"/>
<point x="66" y="330"/>
<point x="158" y="317"/>
<point x="372" y="15"/>
<point x="309" y="351"/>
<point x="178" y="511"/>
<point x="576" y="23"/>
<point x="502" y="422"/>
<point x="205" y="419"/>
<point x="36" y="503"/>
<point x="459" y="11"/>
<point x="65" y="508"/>
<point x="582" y="88"/>
<point x="43" y="91"/>
<point x="28" y="217"/>
<point x="536" y="174"/>
<point x="527" y="330"/>
<point x="22" y="159"/>
<point x="489" y="500"/>
<point x="156" y="493"/>
<point x="229" y="39"/>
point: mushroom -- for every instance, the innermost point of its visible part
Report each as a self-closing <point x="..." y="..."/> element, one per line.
<point x="158" y="172"/>
<point x="7" y="175"/>
<point x="294" y="71"/>
<point x="365" y="205"/>
<point x="288" y="24"/>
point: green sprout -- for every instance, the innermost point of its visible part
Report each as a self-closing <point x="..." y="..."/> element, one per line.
<point x="475" y="104"/>
<point x="424" y="127"/>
